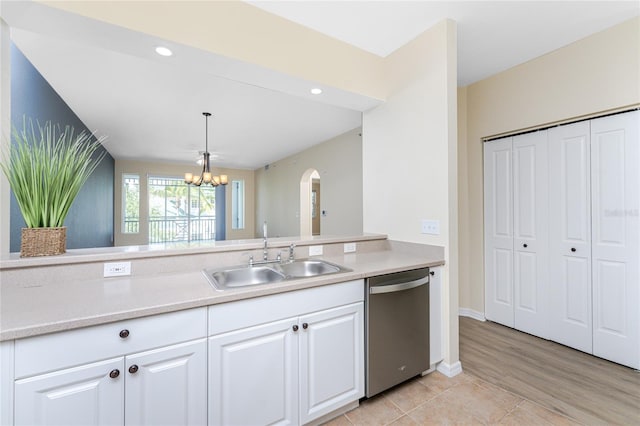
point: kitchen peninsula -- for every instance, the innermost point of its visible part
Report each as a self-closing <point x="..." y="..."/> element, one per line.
<point x="167" y="311"/>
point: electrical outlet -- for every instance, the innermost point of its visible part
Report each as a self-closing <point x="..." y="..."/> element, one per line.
<point x="315" y="250"/>
<point x="349" y="247"/>
<point x="431" y="227"/>
<point x="117" y="269"/>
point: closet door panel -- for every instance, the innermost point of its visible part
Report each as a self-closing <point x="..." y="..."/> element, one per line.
<point x="615" y="180"/>
<point x="498" y="202"/>
<point x="570" y="236"/>
<point x="530" y="232"/>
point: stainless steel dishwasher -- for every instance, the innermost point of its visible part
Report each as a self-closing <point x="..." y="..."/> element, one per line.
<point x="397" y="328"/>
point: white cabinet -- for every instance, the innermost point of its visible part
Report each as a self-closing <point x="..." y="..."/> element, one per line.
<point x="253" y="376"/>
<point x="87" y="395"/>
<point x="286" y="359"/>
<point x="515" y="231"/>
<point x="165" y="385"/>
<point x="583" y="222"/>
<point x="436" y="325"/>
<point x="331" y="360"/>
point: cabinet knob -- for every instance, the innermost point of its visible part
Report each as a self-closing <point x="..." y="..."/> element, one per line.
<point x="295" y="327"/>
<point x="525" y="245"/>
<point x="432" y="273"/>
<point x="114" y="373"/>
<point x="133" y="369"/>
<point x="573" y="249"/>
<point x="124" y="333"/>
<point x="305" y="325"/>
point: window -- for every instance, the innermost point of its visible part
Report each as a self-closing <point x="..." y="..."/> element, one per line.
<point x="237" y="204"/>
<point x="130" y="204"/>
<point x="178" y="212"/>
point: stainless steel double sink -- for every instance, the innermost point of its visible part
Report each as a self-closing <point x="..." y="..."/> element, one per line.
<point x="243" y="276"/>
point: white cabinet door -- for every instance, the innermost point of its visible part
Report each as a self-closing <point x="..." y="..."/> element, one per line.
<point x="167" y="386"/>
<point x="615" y="189"/>
<point x="331" y="360"/>
<point x="530" y="228"/>
<point x="498" y="238"/>
<point x="81" y="396"/>
<point x="570" y="236"/>
<point x="253" y="375"/>
<point x="436" y="333"/>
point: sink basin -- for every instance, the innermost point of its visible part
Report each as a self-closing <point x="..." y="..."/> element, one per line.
<point x="308" y="268"/>
<point x="243" y="276"/>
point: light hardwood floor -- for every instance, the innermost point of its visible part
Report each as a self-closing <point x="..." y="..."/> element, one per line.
<point x="588" y="389"/>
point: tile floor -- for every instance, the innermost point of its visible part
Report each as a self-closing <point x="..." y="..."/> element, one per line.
<point x="438" y="400"/>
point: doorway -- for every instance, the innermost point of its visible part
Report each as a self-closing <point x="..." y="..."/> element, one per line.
<point x="310" y="212"/>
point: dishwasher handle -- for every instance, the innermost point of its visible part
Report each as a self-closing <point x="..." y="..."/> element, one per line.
<point x="398" y="287"/>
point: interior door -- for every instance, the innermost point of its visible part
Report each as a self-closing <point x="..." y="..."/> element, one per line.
<point x="498" y="228"/>
<point x="615" y="189"/>
<point x="570" y="236"/>
<point x="530" y="229"/>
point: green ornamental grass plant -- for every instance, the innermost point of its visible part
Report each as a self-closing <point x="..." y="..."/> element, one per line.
<point x="46" y="168"/>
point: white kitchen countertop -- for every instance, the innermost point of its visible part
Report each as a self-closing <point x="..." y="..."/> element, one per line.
<point x="40" y="307"/>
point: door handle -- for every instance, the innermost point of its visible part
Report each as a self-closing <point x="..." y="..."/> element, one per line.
<point x="398" y="287"/>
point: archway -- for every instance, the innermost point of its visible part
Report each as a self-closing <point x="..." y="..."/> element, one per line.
<point x="310" y="203"/>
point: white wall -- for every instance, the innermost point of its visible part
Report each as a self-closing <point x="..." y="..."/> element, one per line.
<point x="410" y="158"/>
<point x="339" y="162"/>
<point x="596" y="74"/>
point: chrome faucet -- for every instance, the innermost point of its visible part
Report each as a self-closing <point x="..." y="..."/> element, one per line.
<point x="264" y="236"/>
<point x="291" y="248"/>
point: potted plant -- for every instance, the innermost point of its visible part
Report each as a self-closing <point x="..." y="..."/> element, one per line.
<point x="46" y="167"/>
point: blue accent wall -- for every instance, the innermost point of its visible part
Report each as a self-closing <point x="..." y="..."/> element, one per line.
<point x="90" y="219"/>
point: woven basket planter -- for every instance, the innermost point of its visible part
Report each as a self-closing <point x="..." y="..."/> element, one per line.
<point x="43" y="241"/>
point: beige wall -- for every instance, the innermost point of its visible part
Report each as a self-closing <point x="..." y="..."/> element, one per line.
<point x="410" y="158"/>
<point x="595" y="74"/>
<point x="339" y="163"/>
<point x="145" y="169"/>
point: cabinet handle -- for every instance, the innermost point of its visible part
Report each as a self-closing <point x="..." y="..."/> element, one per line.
<point x="573" y="249"/>
<point x="525" y="245"/>
<point x="295" y="327"/>
<point x="432" y="273"/>
<point x="114" y="373"/>
<point x="305" y="325"/>
<point x="124" y="333"/>
<point x="133" y="369"/>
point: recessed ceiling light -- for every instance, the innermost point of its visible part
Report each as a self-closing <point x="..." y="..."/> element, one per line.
<point x="316" y="91"/>
<point x="163" y="51"/>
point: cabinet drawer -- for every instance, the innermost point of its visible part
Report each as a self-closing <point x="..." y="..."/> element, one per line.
<point x="50" y="352"/>
<point x="249" y="312"/>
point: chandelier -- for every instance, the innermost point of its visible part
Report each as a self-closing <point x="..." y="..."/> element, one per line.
<point x="205" y="176"/>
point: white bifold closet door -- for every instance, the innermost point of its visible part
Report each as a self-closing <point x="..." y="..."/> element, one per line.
<point x="570" y="236"/>
<point x="530" y="230"/>
<point x="515" y="231"/>
<point x="498" y="228"/>
<point x="615" y="210"/>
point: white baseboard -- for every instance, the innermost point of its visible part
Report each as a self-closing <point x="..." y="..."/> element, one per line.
<point x="466" y="312"/>
<point x="450" y="370"/>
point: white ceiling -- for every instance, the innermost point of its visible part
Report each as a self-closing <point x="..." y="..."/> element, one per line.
<point x="150" y="107"/>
